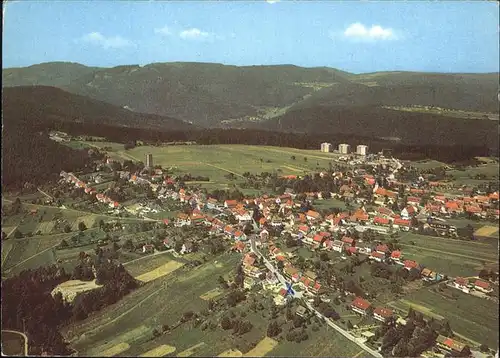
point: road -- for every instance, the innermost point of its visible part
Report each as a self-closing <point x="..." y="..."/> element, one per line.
<point x="24" y="337"/>
<point x="298" y="295"/>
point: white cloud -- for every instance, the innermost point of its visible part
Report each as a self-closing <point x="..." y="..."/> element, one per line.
<point x="165" y="31"/>
<point x="194" y="34"/>
<point x="96" y="38"/>
<point x="272" y="1"/>
<point x="359" y="31"/>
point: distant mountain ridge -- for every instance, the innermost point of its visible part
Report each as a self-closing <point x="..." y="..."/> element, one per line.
<point x="282" y="97"/>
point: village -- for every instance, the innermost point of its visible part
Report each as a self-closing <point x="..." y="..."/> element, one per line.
<point x="346" y="266"/>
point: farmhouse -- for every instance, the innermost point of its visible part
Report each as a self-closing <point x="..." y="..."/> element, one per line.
<point x="382" y="314"/>
<point x="450" y="345"/>
<point x="396" y="255"/>
<point x="461" y="284"/>
<point x="360" y="305"/>
<point x="483" y="286"/>
<point x="377" y="256"/>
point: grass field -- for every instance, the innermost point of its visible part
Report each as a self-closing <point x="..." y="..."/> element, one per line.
<point x="216" y="161"/>
<point x="159" y="351"/>
<point x="161" y="271"/>
<point x="470" y="316"/>
<point x="147" y="263"/>
<point x="449" y="256"/>
<point x="211" y="294"/>
<point x="191" y="350"/>
<point x="265" y="346"/>
<point x="71" y="288"/>
<point x="323" y="343"/>
<point x="231" y="353"/>
<point x="487" y="231"/>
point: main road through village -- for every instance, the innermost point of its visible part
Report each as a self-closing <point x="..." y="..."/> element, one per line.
<point x="298" y="295"/>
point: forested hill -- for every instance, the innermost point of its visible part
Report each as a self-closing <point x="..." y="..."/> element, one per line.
<point x="40" y="104"/>
<point x="209" y="94"/>
<point x="30" y="112"/>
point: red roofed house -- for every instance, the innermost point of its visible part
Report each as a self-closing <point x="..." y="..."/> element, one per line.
<point x="462" y="284"/>
<point x="313" y="215"/>
<point x="409" y="264"/>
<point x="396" y="255"/>
<point x="316" y="288"/>
<point x="405" y="224"/>
<point x="383" y="249"/>
<point x="351" y="250"/>
<point x="360" y="305"/>
<point x="380" y="221"/>
<point x="304" y="229"/>
<point x="349" y="241"/>
<point x="239" y="246"/>
<point x="377" y="256"/>
<point x="249" y="259"/>
<point x="382" y="314"/>
<point x="482" y="286"/>
<point x="230" y="203"/>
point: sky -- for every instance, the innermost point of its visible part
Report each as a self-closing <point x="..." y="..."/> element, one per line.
<point x="355" y="36"/>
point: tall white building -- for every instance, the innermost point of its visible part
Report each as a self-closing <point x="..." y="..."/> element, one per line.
<point x="149" y="161"/>
<point x="344" y="148"/>
<point x="361" y="150"/>
<point x="326" y="147"/>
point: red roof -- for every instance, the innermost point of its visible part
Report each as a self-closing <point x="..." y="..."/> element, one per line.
<point x="482" y="284"/>
<point x="304" y="228"/>
<point x="348" y="240"/>
<point x="461" y="281"/>
<point x="382" y="221"/>
<point x="313" y="214"/>
<point x="317" y="238"/>
<point x="282" y="292"/>
<point x="231" y="202"/>
<point x="402" y="222"/>
<point x="166" y="221"/>
<point x="280" y="258"/>
<point x="352" y="249"/>
<point x="384" y="312"/>
<point x="361" y="303"/>
<point x="382" y="248"/>
<point x="411" y="264"/>
<point x="325" y="234"/>
<point x="396" y="254"/>
<point x="377" y="255"/>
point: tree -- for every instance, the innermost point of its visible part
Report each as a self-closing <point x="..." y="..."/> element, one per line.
<point x="298" y="321"/>
<point x="67" y="228"/>
<point x="305" y="159"/>
<point x="293" y="157"/>
<point x="226" y="323"/>
<point x="324" y="256"/>
<point x="82" y="226"/>
<point x="273" y="329"/>
<point x="63" y="243"/>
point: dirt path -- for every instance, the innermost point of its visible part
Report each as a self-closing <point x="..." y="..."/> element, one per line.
<point x="226" y="170"/>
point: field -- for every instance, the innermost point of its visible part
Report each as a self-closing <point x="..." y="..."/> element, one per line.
<point x="159" y="351"/>
<point x="487" y="231"/>
<point x="30" y="252"/>
<point x="161" y="271"/>
<point x="147" y="263"/>
<point x="191" y="350"/>
<point x="71" y="288"/>
<point x="216" y="161"/>
<point x="231" y="353"/>
<point x="263" y="347"/>
<point x="450" y="256"/>
<point x="470" y="316"/>
<point x="324" y="343"/>
<point x="329" y="203"/>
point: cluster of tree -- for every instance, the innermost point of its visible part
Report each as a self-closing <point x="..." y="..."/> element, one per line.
<point x="28" y="306"/>
<point x="488" y="275"/>
<point x="189" y="177"/>
<point x="223" y="195"/>
<point x="297" y="335"/>
<point x="117" y="283"/>
<point x="234" y="297"/>
<point x="412" y="339"/>
<point x="238" y="325"/>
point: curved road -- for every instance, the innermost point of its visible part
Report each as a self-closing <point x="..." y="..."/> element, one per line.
<point x="342" y="331"/>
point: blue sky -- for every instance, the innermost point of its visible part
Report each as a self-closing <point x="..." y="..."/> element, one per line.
<point x="355" y="36"/>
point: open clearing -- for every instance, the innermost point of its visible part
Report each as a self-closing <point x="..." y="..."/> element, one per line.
<point x="449" y="256"/>
<point x="160" y="351"/>
<point x="88" y="220"/>
<point x="147" y="263"/>
<point x="470" y="316"/>
<point x="262" y="348"/>
<point x="488" y="231"/>
<point x="71" y="288"/>
<point x="191" y="350"/>
<point x="161" y="271"/>
<point x="113" y="351"/>
<point x="405" y="305"/>
<point x="231" y="353"/>
<point x="215" y="161"/>
<point x="211" y="294"/>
